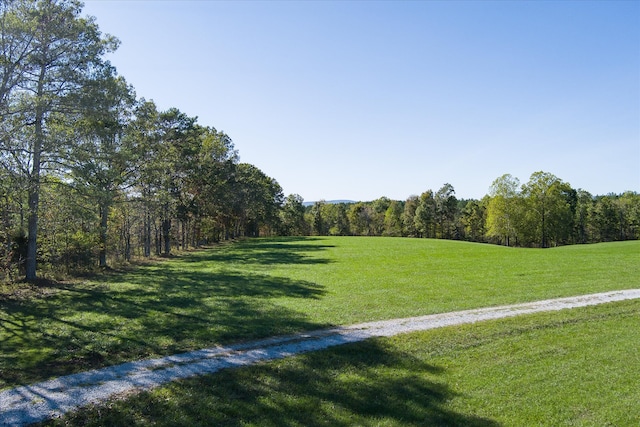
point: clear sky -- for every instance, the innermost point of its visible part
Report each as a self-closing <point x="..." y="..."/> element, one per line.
<point x="358" y="100"/>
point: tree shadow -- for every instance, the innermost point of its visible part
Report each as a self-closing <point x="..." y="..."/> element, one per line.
<point x="151" y="311"/>
<point x="272" y="251"/>
<point x="368" y="383"/>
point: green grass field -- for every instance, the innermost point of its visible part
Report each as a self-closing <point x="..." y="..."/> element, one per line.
<point x="578" y="367"/>
<point x="266" y="287"/>
<point x="260" y="288"/>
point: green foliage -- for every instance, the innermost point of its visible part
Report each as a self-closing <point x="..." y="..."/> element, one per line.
<point x="408" y="216"/>
<point x="474" y="218"/>
<point x="446" y="205"/>
<point x="336" y="215"/>
<point x="258" y="199"/>
<point x="547" y="207"/>
<point x="393" y="220"/>
<point x="425" y="215"/>
<point x="50" y="58"/>
<point x="13" y="238"/>
<point x="504" y="209"/>
<point x="158" y="177"/>
<point x="359" y="215"/>
<point x="78" y="253"/>
<point x="510" y="214"/>
<point x="292" y="217"/>
<point x="69" y="238"/>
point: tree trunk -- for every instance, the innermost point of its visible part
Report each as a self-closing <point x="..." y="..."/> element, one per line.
<point x="127" y="238"/>
<point x="158" y="239"/>
<point x="147" y="227"/>
<point x="544" y="234"/>
<point x="166" y="238"/>
<point x="104" y="216"/>
<point x="32" y="249"/>
<point x="147" y="235"/>
<point x="34" y="184"/>
<point x="183" y="238"/>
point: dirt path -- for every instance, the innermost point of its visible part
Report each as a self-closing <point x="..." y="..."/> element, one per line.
<point x="37" y="402"/>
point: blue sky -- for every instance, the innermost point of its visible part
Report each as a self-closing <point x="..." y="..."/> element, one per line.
<point x="358" y="100"/>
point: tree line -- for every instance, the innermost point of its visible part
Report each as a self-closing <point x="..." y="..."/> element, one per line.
<point x="543" y="212"/>
<point x="89" y="174"/>
<point x="92" y="175"/>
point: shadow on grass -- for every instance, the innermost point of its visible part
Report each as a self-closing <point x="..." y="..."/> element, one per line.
<point x="272" y="251"/>
<point x="368" y="383"/>
<point x="150" y="311"/>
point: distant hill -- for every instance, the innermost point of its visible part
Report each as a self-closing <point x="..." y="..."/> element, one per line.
<point x="330" y="202"/>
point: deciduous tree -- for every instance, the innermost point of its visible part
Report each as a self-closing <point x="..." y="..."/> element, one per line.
<point x="425" y="215"/>
<point x="292" y="216"/>
<point x="504" y="208"/>
<point x="446" y="206"/>
<point x="548" y="209"/>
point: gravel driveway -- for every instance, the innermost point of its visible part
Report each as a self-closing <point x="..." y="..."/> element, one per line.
<point x="37" y="402"/>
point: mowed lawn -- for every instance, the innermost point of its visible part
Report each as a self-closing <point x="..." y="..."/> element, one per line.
<point x="266" y="287"/>
<point x="578" y="367"/>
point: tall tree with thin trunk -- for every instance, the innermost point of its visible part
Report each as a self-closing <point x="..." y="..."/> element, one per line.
<point x="61" y="51"/>
<point x="144" y="135"/>
<point x="100" y="157"/>
<point x="179" y="148"/>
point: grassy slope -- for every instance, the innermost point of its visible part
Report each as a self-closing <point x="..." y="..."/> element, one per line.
<point x="373" y="278"/>
<point x="577" y="367"/>
<point x="278" y="286"/>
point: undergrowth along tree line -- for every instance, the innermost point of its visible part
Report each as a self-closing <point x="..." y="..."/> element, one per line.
<point x="92" y="175"/>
